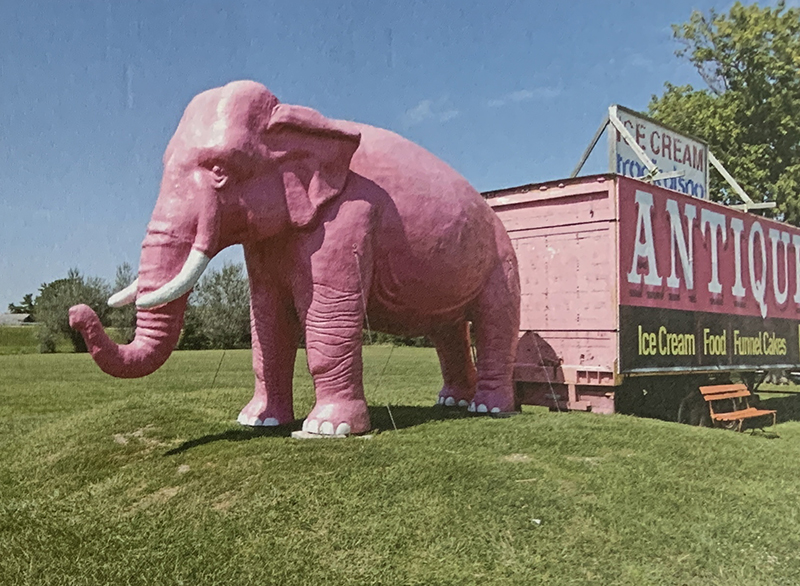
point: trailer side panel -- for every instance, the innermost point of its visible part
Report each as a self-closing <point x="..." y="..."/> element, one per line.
<point x="565" y="239"/>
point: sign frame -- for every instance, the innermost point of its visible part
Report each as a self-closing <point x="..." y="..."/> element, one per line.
<point x="612" y="120"/>
<point x="655" y="173"/>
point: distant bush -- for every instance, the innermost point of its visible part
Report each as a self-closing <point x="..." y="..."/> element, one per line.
<point x="52" y="308"/>
<point x="218" y="315"/>
<point x="123" y="318"/>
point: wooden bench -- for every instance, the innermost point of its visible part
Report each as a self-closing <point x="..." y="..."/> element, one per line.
<point x="729" y="405"/>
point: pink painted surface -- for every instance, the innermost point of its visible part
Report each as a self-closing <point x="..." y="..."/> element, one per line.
<point x="337" y="220"/>
<point x="565" y="238"/>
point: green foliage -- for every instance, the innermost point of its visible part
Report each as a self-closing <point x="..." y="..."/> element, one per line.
<point x="219" y="311"/>
<point x="750" y="112"/>
<point x="192" y="336"/>
<point x="151" y="481"/>
<point x="25" y="306"/>
<point x="124" y="318"/>
<point x="53" y="303"/>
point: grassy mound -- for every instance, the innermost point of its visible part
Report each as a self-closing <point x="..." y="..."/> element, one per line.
<point x="151" y="481"/>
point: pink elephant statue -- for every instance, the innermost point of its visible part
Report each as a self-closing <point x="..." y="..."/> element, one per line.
<point x="339" y="221"/>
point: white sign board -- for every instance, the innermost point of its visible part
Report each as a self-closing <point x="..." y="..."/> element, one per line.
<point x="669" y="150"/>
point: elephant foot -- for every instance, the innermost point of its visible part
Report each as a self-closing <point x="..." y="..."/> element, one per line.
<point x="492" y="402"/>
<point x="254" y="421"/>
<point x="257" y="414"/>
<point x="341" y="418"/>
<point x="453" y="397"/>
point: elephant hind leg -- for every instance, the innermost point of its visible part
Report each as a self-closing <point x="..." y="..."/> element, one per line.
<point x="496" y="323"/>
<point x="458" y="371"/>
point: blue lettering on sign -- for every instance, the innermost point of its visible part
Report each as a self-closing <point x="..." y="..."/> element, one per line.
<point x="634" y="168"/>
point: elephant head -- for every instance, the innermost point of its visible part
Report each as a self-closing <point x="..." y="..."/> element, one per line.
<point x="240" y="167"/>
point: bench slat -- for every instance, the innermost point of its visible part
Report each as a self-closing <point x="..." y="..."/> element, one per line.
<point x="730" y="395"/>
<point x="743" y="414"/>
<point x="716" y="389"/>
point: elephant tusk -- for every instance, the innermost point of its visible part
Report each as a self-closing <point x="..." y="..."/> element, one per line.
<point x="125" y="296"/>
<point x="183" y="282"/>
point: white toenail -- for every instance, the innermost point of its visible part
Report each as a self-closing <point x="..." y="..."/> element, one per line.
<point x="311" y="426"/>
<point x="449" y="401"/>
<point x="326" y="428"/>
<point x="343" y="429"/>
<point x="482" y="408"/>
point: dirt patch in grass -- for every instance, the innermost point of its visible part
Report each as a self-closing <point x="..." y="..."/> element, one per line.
<point x="591" y="460"/>
<point x="161" y="496"/>
<point x="516" y="458"/>
<point x="143" y="437"/>
<point x="224" y="501"/>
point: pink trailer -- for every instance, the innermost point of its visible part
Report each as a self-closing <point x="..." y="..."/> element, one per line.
<point x="630" y="290"/>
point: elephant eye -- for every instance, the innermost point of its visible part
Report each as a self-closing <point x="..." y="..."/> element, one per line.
<point x="220" y="176"/>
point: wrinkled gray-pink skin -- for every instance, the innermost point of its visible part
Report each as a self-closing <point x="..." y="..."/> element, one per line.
<point x="336" y="218"/>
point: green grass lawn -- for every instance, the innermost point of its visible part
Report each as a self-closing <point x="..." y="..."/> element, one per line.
<point x="151" y="481"/>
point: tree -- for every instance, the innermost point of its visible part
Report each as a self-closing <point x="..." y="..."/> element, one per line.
<point x="53" y="303"/>
<point x="219" y="312"/>
<point x="124" y="318"/>
<point x="750" y="112"/>
<point x="25" y="306"/>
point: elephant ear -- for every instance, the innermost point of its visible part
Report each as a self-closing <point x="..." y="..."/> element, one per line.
<point x="313" y="156"/>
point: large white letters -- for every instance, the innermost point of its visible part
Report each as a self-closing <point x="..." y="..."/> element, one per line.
<point x="778" y="237"/>
<point x="716" y="222"/>
<point x="765" y="249"/>
<point x="759" y="287"/>
<point x="684" y="245"/>
<point x="644" y="249"/>
<point x="796" y="243"/>
<point x="737" y="227"/>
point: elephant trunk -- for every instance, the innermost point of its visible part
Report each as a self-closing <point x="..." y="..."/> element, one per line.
<point x="157" y="333"/>
<point x="157" y="328"/>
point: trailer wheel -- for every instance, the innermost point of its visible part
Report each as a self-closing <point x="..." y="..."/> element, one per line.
<point x="693" y="410"/>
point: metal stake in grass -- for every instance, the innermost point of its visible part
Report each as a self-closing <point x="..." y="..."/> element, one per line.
<point x="369" y="333"/>
<point x="221" y="358"/>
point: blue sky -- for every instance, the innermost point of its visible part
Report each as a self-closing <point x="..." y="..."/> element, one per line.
<point x="90" y="92"/>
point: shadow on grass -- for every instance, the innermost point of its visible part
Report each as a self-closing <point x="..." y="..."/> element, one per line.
<point x="788" y="407"/>
<point x="383" y="419"/>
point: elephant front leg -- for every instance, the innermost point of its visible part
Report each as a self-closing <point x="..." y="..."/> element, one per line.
<point x="333" y="344"/>
<point x="275" y="332"/>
